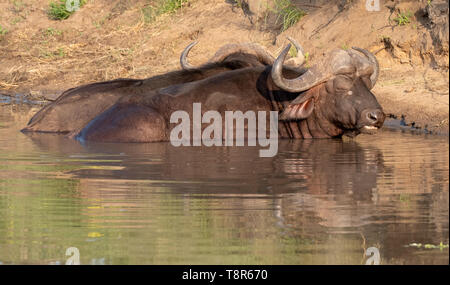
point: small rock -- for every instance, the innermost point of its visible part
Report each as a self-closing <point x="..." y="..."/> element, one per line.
<point x="404" y="60"/>
<point x="410" y="90"/>
<point x="402" y="121"/>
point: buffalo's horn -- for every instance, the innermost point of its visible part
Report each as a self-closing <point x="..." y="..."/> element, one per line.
<point x="183" y="59"/>
<point x="223" y="52"/>
<point x="373" y="60"/>
<point x="263" y="55"/>
<point x="305" y="81"/>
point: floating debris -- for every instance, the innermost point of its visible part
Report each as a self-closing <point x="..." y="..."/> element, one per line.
<point x="440" y="246"/>
<point x="94" y="235"/>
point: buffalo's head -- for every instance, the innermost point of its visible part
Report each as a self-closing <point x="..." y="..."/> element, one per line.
<point x="342" y="82"/>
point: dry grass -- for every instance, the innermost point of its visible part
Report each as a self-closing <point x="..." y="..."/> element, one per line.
<point x="69" y="56"/>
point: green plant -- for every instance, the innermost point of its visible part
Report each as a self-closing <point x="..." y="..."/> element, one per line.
<point x="150" y="12"/>
<point x="60" y="52"/>
<point x="288" y="12"/>
<point x="403" y="18"/>
<point x="51" y="54"/>
<point x="170" y="6"/>
<point x="98" y="24"/>
<point x="293" y="52"/>
<point x="18" y="6"/>
<point x="58" y="10"/>
<point x="306" y="59"/>
<point x="2" y="31"/>
<point x="52" y="32"/>
<point x="16" y="20"/>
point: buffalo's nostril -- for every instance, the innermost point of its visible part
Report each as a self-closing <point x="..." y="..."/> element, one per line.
<point x="372" y="116"/>
<point x="375" y="116"/>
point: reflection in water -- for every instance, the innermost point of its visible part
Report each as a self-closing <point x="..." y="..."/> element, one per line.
<point x="317" y="201"/>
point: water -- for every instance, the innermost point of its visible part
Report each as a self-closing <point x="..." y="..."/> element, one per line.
<point x="316" y="202"/>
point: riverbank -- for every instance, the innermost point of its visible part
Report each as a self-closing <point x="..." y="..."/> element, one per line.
<point x="41" y="57"/>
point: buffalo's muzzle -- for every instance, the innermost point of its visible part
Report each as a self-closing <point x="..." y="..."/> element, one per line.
<point x="372" y="120"/>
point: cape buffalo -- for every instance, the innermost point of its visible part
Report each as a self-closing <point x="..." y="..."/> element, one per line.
<point x="74" y="108"/>
<point x="330" y="99"/>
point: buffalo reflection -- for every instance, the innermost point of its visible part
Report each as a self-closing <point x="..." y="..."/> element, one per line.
<point x="316" y="167"/>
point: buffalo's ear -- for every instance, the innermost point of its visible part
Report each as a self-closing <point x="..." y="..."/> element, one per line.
<point x="298" y="109"/>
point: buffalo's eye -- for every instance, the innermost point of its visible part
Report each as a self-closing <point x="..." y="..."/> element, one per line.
<point x="343" y="83"/>
<point x="367" y="81"/>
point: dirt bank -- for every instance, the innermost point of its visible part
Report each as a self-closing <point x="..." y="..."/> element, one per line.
<point x="117" y="39"/>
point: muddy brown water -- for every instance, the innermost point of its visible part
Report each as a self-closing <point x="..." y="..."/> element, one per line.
<point x="315" y="202"/>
